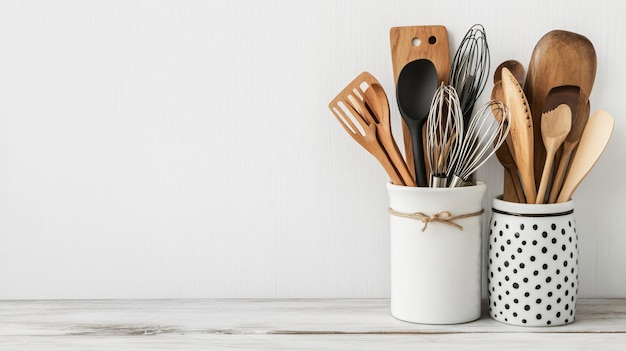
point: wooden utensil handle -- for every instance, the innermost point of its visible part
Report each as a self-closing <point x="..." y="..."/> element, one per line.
<point x="545" y="177"/>
<point x="384" y="160"/>
<point x="557" y="183"/>
<point x="509" y="193"/>
<point x="395" y="157"/>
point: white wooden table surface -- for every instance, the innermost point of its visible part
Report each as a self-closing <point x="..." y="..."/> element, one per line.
<point x="329" y="324"/>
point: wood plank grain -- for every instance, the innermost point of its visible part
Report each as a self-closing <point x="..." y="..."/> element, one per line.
<point x="129" y="318"/>
<point x="297" y="324"/>
<point x="339" y="342"/>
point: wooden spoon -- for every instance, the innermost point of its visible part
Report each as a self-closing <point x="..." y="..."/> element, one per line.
<point x="559" y="58"/>
<point x="375" y="99"/>
<point x="513" y="191"/>
<point x="521" y="133"/>
<point x="592" y="143"/>
<point x="516" y="67"/>
<point x="555" y="125"/>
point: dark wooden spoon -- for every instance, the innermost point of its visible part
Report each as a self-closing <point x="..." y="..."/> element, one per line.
<point x="516" y="68"/>
<point x="570" y="145"/>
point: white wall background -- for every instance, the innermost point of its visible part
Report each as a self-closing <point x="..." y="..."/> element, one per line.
<point x="185" y="148"/>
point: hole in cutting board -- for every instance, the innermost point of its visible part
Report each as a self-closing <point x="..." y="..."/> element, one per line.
<point x="417" y="41"/>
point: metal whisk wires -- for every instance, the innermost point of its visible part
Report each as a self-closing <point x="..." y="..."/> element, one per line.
<point x="444" y="130"/>
<point x="470" y="68"/>
<point x="487" y="130"/>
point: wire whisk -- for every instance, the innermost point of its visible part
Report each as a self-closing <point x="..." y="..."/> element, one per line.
<point x="470" y="68"/>
<point x="444" y="131"/>
<point x="486" y="131"/>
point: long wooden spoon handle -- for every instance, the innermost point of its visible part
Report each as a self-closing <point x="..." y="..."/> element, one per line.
<point x="395" y="157"/>
<point x="519" y="189"/>
<point x="509" y="192"/>
<point x="545" y="176"/>
<point x="408" y="148"/>
<point x="568" y="149"/>
<point x="384" y="160"/>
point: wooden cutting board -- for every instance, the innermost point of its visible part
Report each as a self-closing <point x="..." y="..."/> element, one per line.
<point x="432" y="45"/>
<point x="410" y="43"/>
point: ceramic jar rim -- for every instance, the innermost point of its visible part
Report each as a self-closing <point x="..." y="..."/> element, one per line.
<point x="414" y="189"/>
<point x="523" y="209"/>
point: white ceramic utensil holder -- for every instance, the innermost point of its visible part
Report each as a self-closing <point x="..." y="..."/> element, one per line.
<point x="436" y="253"/>
<point x="533" y="263"/>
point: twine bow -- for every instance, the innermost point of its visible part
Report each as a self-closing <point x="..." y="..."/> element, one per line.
<point x="444" y="217"/>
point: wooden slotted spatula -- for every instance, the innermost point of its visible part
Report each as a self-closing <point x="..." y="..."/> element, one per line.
<point x="570" y="144"/>
<point x="555" y="125"/>
<point x="377" y="105"/>
<point x="592" y="143"/>
<point x="571" y="96"/>
<point x="350" y="111"/>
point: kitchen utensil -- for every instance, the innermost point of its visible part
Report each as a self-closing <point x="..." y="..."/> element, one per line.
<point x="570" y="144"/>
<point x="512" y="189"/>
<point x="415" y="89"/>
<point x="470" y="68"/>
<point x="559" y="58"/>
<point x="361" y="129"/>
<point x="571" y="96"/>
<point x="564" y="94"/>
<point x="376" y="101"/>
<point x="516" y="68"/>
<point x="555" y="125"/>
<point x="444" y="130"/>
<point x="411" y="43"/>
<point x="483" y="136"/>
<point x="521" y="133"/>
<point x="592" y="143"/>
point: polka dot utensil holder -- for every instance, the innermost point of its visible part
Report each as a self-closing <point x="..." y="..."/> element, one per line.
<point x="533" y="263"/>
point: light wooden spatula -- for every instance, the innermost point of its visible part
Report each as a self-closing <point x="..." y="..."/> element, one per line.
<point x="592" y="143"/>
<point x="521" y="133"/>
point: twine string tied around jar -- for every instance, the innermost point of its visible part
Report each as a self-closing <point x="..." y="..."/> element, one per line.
<point x="444" y="217"/>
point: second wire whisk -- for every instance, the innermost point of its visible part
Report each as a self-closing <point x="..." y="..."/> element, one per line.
<point x="486" y="131"/>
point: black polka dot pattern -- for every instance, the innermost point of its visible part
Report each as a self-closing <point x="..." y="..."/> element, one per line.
<point x="537" y="284"/>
